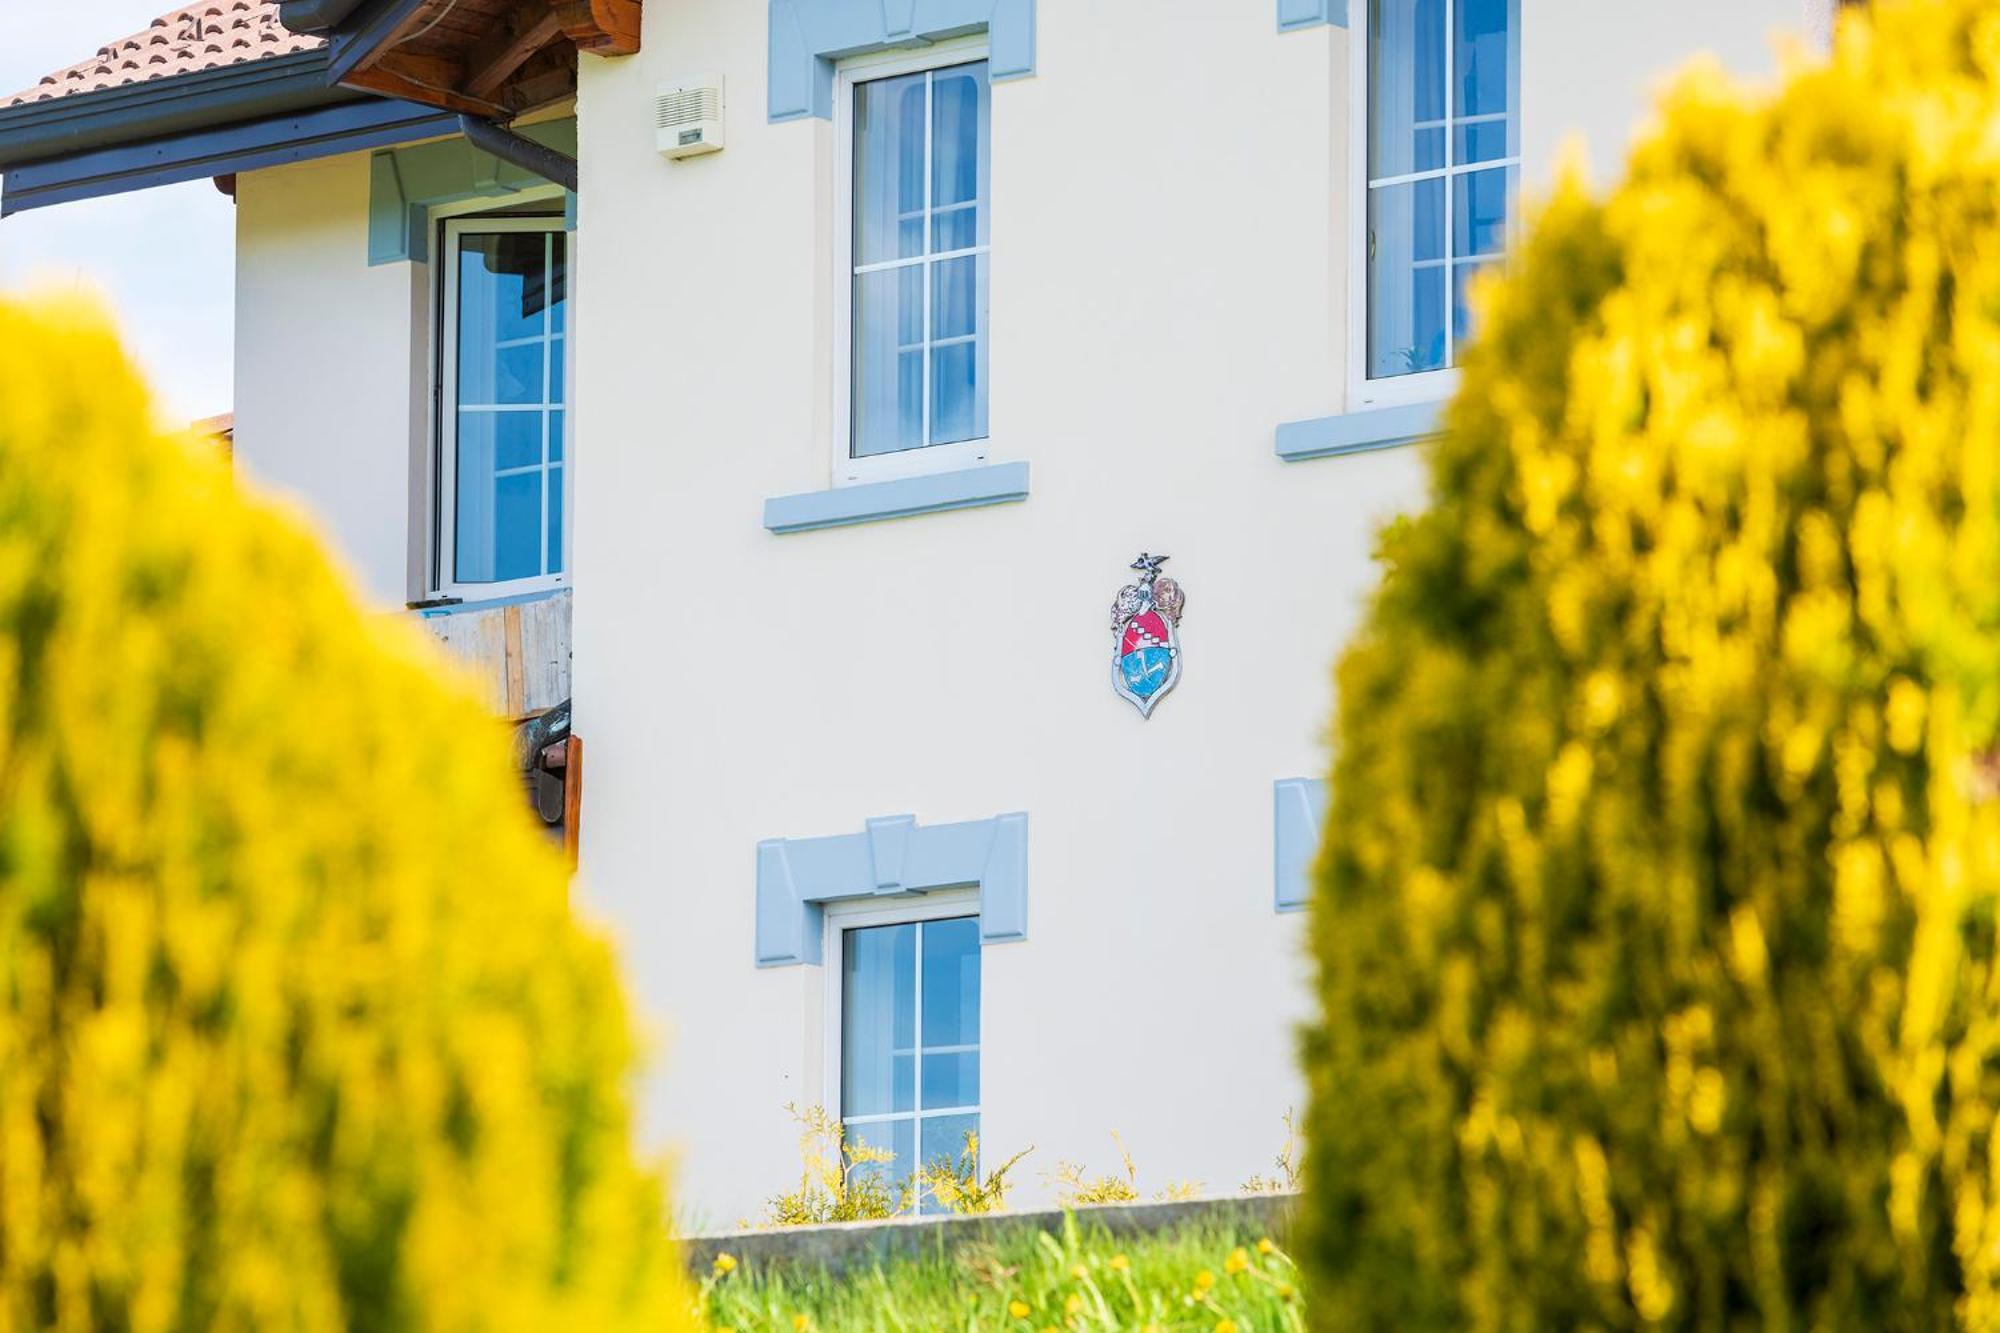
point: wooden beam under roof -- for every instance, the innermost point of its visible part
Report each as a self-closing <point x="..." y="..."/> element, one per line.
<point x="496" y="56"/>
<point x="491" y="58"/>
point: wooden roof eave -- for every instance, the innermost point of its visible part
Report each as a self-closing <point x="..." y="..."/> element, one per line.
<point x="491" y="58"/>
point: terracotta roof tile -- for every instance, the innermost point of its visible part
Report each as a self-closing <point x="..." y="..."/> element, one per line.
<point x="196" y="37"/>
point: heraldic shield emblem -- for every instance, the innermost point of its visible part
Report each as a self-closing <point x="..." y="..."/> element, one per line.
<point x="1146" y="641"/>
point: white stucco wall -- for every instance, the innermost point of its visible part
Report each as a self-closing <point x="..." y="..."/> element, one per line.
<point x="1167" y="286"/>
<point x="329" y="363"/>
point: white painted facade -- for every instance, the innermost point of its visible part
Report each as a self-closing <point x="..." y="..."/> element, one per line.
<point x="1171" y="204"/>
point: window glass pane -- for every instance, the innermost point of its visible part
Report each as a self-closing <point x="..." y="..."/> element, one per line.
<point x="889" y="169"/>
<point x="1482" y="57"/>
<point x="888" y="360"/>
<point x="502" y="294"/>
<point x="559" y="306"/>
<point x="1463" y="277"/>
<point x="1483" y="140"/>
<point x="555" y="554"/>
<point x="958" y="148"/>
<point x="951" y="982"/>
<point x="509" y="439"/>
<point x="897" y="1136"/>
<point x="556" y="441"/>
<point x="955" y="296"/>
<point x="956" y="412"/>
<point x="1406" y="278"/>
<point x="943" y="1139"/>
<point x="1406" y="87"/>
<point x="878" y="1020"/>
<point x="558" y="372"/>
<point x="1479" y="211"/>
<point x="499" y="527"/>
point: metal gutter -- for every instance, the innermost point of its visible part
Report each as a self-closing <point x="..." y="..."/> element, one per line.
<point x="526" y="154"/>
<point x="313" y="15"/>
<point x="345" y="127"/>
<point x="83" y="122"/>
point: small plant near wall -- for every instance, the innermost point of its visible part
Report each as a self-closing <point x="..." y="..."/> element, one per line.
<point x="1289" y="1162"/>
<point x="839" y="1181"/>
<point x="1077" y="1188"/>
<point x="957" y="1186"/>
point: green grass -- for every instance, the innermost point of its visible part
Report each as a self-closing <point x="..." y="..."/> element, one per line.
<point x="1206" y="1275"/>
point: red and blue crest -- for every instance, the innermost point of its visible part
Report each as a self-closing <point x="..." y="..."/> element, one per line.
<point x="1145" y="628"/>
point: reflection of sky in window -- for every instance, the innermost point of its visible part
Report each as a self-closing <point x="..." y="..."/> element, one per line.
<point x="1428" y="241"/>
<point x="511" y="345"/>
<point x="910" y="1039"/>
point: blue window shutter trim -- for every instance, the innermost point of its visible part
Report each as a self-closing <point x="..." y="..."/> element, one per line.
<point x="797" y="877"/>
<point x="1296" y="14"/>
<point x="1358" y="432"/>
<point x="1299" y="808"/>
<point x="964" y="488"/>
<point x="807" y="36"/>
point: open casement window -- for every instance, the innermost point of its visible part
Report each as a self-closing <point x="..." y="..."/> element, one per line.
<point x="1438" y="145"/>
<point x="503" y="395"/>
<point x="907" y="1009"/>
<point x="911" y="242"/>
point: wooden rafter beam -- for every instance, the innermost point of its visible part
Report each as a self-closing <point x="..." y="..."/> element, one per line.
<point x="531" y="26"/>
<point x="430" y="80"/>
<point x="601" y="27"/>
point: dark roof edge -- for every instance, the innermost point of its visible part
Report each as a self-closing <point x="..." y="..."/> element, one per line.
<point x="304" y="16"/>
<point x="83" y="122"/>
<point x="253" y="145"/>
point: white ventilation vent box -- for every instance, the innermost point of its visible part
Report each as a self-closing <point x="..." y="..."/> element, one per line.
<point x="689" y="116"/>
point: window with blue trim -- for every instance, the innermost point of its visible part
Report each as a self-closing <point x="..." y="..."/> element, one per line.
<point x="909" y="1040"/>
<point x="919" y="233"/>
<point x="503" y="407"/>
<point x="1443" y="160"/>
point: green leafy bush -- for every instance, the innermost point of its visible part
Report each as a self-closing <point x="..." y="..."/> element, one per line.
<point x="296" y="1028"/>
<point x="1656" y="921"/>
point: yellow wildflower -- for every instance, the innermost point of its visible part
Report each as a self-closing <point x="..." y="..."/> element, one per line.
<point x="1018" y="1308"/>
<point x="1238" y="1260"/>
<point x="725" y="1263"/>
<point x="1079" y="1272"/>
<point x="801" y="1322"/>
<point x="1204" y="1280"/>
<point x="1119" y="1263"/>
<point x="1225" y="1326"/>
<point x="1073" y="1304"/>
<point x="1266" y="1246"/>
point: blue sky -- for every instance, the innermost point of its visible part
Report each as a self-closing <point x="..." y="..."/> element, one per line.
<point x="163" y="258"/>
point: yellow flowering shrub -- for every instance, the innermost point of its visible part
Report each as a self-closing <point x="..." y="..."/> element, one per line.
<point x="1657" y="914"/>
<point x="296" y="1029"/>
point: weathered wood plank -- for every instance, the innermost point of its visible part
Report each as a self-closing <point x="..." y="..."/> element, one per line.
<point x="519" y="653"/>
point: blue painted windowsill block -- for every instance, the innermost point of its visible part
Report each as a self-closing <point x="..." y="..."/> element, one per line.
<point x="797" y="877"/>
<point x="1358" y="432"/>
<point x="1296" y="14"/>
<point x="838" y="506"/>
